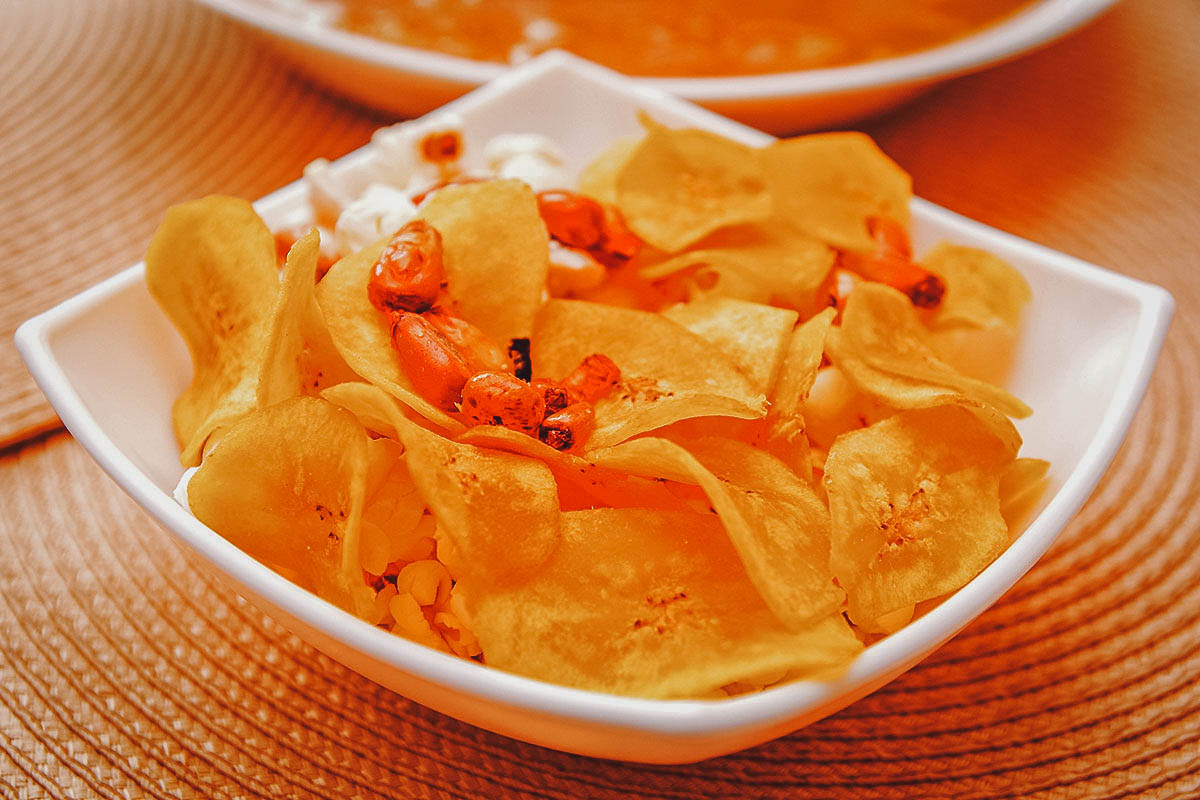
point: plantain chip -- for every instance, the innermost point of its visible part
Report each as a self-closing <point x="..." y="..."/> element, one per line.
<point x="915" y="502"/>
<point x="783" y="432"/>
<point x="752" y="336"/>
<point x="649" y="603"/>
<point x="286" y="484"/>
<point x="828" y="184"/>
<point x="497" y="254"/>
<point x="299" y="356"/>
<point x="499" y="510"/>
<point x="777" y="524"/>
<point x="667" y="372"/>
<point x="881" y="348"/>
<point x="678" y="186"/>
<point x="211" y="267"/>
<point x="975" y="327"/>
<point x="762" y="263"/>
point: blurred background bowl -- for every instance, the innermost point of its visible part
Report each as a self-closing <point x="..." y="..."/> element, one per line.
<point x="408" y="82"/>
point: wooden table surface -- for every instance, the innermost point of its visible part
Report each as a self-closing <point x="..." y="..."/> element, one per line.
<point x="125" y="672"/>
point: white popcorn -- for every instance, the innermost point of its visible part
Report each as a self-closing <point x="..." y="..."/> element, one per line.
<point x="327" y="194"/>
<point x="381" y="211"/>
<point x="397" y="159"/>
<point x="528" y="157"/>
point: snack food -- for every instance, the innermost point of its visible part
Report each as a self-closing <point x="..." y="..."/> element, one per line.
<point x="653" y="484"/>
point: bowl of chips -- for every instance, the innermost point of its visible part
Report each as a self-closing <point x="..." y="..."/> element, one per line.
<point x="641" y="593"/>
<point x="768" y="66"/>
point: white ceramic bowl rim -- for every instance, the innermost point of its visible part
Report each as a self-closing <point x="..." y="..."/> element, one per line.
<point x="1033" y="27"/>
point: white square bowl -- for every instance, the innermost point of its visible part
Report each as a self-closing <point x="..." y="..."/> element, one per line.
<point x="111" y="364"/>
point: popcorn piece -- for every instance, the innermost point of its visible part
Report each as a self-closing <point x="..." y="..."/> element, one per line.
<point x="528" y="157"/>
<point x="382" y="210"/>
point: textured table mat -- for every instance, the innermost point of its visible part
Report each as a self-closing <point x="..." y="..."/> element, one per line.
<point x="127" y="672"/>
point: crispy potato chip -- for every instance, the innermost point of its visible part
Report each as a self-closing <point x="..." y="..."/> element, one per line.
<point x="881" y="348"/>
<point x="362" y="334"/>
<point x="915" y="501"/>
<point x="299" y="356"/>
<point x="286" y="484"/>
<point x="678" y="186"/>
<point x="783" y="430"/>
<point x="751" y="335"/>
<point x="211" y="267"/>
<point x="827" y="184"/>
<point x="667" y="372"/>
<point x="598" y="179"/>
<point x="500" y="510"/>
<point x="777" y="524"/>
<point x="497" y="254"/>
<point x="666" y="612"/>
<point x="763" y="263"/>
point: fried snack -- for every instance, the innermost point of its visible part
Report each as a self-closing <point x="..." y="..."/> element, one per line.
<point x="761" y="434"/>
<point x="666" y="612"/>
<point x="668" y="373"/>
<point x="287" y="484"/>
<point x="211" y="268"/>
<point x="678" y="186"/>
<point x="915" y="506"/>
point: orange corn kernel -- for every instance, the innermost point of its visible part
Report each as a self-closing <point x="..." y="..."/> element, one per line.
<point x="409" y="272"/>
<point x="433" y="365"/>
<point x="595" y="377"/>
<point x="498" y="398"/>
<point x="569" y="428"/>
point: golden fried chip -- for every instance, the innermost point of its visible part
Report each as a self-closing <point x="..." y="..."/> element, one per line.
<point x="751" y="335"/>
<point x="975" y="327"/>
<point x="784" y="433"/>
<point x="362" y="334"/>
<point x="286" y="484"/>
<point x="828" y="184"/>
<point x="763" y="263"/>
<point x="776" y="522"/>
<point x="881" y="348"/>
<point x="915" y="501"/>
<point x="1021" y="486"/>
<point x="982" y="290"/>
<point x="299" y="356"/>
<point x="393" y="507"/>
<point x="500" y="510"/>
<point x="667" y="372"/>
<point x="647" y="603"/>
<point x="497" y="254"/>
<point x="599" y="486"/>
<point x="598" y="179"/>
<point x="211" y="267"/>
<point x="678" y="186"/>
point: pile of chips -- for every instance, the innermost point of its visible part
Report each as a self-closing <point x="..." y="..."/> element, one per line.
<point x="801" y="453"/>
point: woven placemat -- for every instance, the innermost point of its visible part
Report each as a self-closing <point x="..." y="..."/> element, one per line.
<point x="125" y="671"/>
<point x="109" y="113"/>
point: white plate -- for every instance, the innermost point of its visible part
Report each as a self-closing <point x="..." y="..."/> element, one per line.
<point x="409" y="81"/>
<point x="111" y="364"/>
